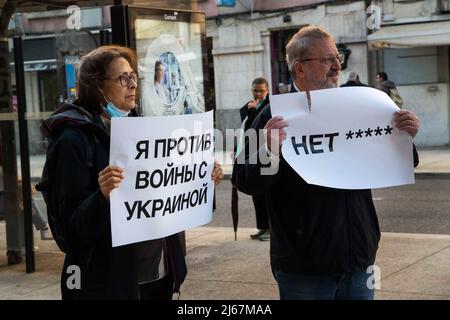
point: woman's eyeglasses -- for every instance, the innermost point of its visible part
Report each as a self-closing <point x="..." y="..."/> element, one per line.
<point x="124" y="79"/>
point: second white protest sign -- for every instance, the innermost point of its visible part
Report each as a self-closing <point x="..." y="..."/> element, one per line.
<point x="347" y="141"/>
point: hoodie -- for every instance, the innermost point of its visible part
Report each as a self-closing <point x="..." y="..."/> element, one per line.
<point x="386" y="86"/>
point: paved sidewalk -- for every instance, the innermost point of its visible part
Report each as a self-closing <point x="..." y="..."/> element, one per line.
<point x="434" y="161"/>
<point x="412" y="266"/>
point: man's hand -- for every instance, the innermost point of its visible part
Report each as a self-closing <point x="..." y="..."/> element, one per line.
<point x="275" y="134"/>
<point x="407" y="121"/>
<point x="109" y="179"/>
<point x="252" y="104"/>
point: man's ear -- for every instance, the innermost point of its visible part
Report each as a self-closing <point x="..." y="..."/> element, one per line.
<point x="299" y="72"/>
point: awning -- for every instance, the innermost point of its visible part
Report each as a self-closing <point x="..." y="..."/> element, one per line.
<point x="37" y="65"/>
<point x="411" y="35"/>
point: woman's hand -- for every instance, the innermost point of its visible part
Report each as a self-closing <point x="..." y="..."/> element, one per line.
<point x="109" y="179"/>
<point x="217" y="174"/>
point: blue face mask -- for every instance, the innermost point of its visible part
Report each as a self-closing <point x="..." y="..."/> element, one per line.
<point x="113" y="111"/>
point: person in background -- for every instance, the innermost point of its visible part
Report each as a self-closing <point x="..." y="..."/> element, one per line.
<point x="260" y="92"/>
<point x="388" y="87"/>
<point x="353" y="80"/>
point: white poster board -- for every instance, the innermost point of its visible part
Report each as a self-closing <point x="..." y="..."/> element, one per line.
<point x="347" y="141"/>
<point x="167" y="164"/>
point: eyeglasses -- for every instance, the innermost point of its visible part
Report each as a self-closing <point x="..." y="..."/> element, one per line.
<point x="259" y="91"/>
<point x="328" y="60"/>
<point x="125" y="79"/>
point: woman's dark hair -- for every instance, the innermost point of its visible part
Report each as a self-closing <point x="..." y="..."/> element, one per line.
<point x="92" y="71"/>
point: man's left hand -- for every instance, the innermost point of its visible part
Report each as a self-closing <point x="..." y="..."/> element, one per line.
<point x="408" y="121"/>
<point x="252" y="104"/>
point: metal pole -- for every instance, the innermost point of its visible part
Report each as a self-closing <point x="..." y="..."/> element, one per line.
<point x="104" y="38"/>
<point x="24" y="154"/>
<point x="119" y="25"/>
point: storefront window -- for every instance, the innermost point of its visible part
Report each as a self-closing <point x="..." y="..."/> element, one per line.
<point x="52" y="48"/>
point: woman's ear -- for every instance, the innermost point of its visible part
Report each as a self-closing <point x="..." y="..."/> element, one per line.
<point x="104" y="98"/>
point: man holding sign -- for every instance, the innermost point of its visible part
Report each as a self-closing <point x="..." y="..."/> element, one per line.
<point x="323" y="239"/>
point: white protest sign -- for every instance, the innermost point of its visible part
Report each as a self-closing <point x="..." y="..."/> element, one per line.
<point x="167" y="164"/>
<point x="348" y="141"/>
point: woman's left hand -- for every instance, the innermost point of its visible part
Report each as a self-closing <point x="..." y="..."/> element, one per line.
<point x="217" y="174"/>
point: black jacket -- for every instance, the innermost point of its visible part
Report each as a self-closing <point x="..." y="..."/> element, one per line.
<point x="314" y="230"/>
<point x="106" y="272"/>
<point x="353" y="84"/>
<point x="252" y="113"/>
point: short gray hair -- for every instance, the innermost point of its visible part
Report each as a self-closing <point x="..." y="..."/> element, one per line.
<point x="260" y="80"/>
<point x="299" y="45"/>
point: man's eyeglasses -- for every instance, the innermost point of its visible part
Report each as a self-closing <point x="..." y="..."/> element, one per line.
<point x="125" y="79"/>
<point x="259" y="91"/>
<point x="328" y="60"/>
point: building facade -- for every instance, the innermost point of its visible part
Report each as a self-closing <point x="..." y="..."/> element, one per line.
<point x="406" y="39"/>
<point x="412" y="47"/>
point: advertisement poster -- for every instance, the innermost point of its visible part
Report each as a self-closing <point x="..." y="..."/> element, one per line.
<point x="170" y="63"/>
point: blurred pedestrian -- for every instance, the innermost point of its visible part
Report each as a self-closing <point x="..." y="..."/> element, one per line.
<point x="353" y="80"/>
<point x="260" y="92"/>
<point x="388" y="87"/>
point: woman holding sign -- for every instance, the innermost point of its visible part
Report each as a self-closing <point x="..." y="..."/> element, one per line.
<point x="78" y="181"/>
